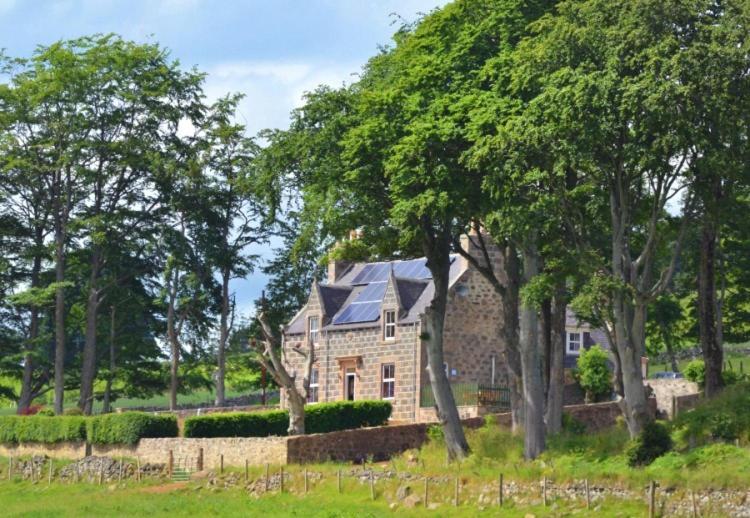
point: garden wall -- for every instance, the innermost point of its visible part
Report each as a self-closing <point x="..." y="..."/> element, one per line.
<point x="348" y="445"/>
<point x="674" y="395"/>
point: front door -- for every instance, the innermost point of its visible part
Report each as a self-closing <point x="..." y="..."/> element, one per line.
<point x="349" y="384"/>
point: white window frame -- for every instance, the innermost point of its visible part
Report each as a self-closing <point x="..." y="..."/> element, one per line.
<point x="569" y="342"/>
<point x="312" y="391"/>
<point x="390" y="381"/>
<point x="313" y="334"/>
<point x="389" y="326"/>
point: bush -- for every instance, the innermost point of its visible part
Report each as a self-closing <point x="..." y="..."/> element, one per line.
<point x="319" y="418"/>
<point x="695" y="371"/>
<point x="129" y="427"/>
<point x="593" y="373"/>
<point x="46" y="412"/>
<point x="42" y="429"/>
<point x="238" y="424"/>
<point x="72" y="411"/>
<point x="572" y="425"/>
<point x="725" y="417"/>
<point x="653" y="442"/>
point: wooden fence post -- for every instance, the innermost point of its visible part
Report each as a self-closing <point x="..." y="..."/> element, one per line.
<point x="339" y="480"/>
<point x="305" y="474"/>
<point x="692" y="497"/>
<point x="119" y="474"/>
<point x="170" y="463"/>
<point x="544" y="491"/>
<point x="281" y="482"/>
<point x="674" y="407"/>
<point x="267" y="477"/>
<point x="247" y="473"/>
<point x="500" y="490"/>
<point x="49" y="478"/>
<point x="101" y="473"/>
<point x="455" y="494"/>
<point x="138" y="469"/>
<point x="372" y="485"/>
<point x="200" y="460"/>
<point x="652" y="499"/>
<point x="10" y="467"/>
<point x="588" y="495"/>
<point x="221" y="463"/>
<point x="425" y="492"/>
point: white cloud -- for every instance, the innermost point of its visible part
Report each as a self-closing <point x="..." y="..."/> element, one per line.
<point x="272" y="89"/>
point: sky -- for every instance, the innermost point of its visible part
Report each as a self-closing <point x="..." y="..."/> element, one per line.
<point x="270" y="50"/>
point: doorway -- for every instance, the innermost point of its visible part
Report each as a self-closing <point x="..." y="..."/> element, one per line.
<point x="349" y="384"/>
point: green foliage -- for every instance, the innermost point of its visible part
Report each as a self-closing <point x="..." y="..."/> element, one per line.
<point x="238" y="424"/>
<point x="72" y="411"/>
<point x="725" y="418"/>
<point x="129" y="427"/>
<point x="48" y="412"/>
<point x="572" y="425"/>
<point x="695" y="371"/>
<point x="593" y="374"/>
<point x="653" y="442"/>
<point x="319" y="418"/>
<point x="42" y="429"/>
<point x="435" y="433"/>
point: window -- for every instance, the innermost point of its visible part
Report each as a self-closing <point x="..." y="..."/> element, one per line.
<point x="312" y="393"/>
<point x="313" y="329"/>
<point x="389" y="380"/>
<point x="390" y="325"/>
<point x="573" y="343"/>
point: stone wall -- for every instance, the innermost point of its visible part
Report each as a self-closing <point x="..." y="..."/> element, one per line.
<point x="62" y="450"/>
<point x="685" y="394"/>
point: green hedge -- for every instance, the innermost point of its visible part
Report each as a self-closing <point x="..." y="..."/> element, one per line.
<point x="124" y="428"/>
<point x="129" y="427"/>
<point x="14" y="429"/>
<point x="319" y="418"/>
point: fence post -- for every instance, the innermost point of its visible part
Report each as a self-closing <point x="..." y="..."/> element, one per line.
<point x="267" y="476"/>
<point x="695" y="505"/>
<point x="170" y="463"/>
<point x="119" y="474"/>
<point x="455" y="500"/>
<point x="339" y="480"/>
<point x="544" y="491"/>
<point x="500" y="490"/>
<point x="221" y="463"/>
<point x="425" y="492"/>
<point x="138" y="469"/>
<point x="588" y="495"/>
<point x="200" y="459"/>
<point x="652" y="499"/>
<point x="101" y="473"/>
<point x="49" y="478"/>
<point x="10" y="467"/>
<point x="281" y="482"/>
<point x="305" y="474"/>
<point x="247" y="474"/>
<point x="372" y="485"/>
<point x="674" y="407"/>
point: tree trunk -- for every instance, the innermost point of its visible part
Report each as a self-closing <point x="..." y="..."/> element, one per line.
<point x="296" y="412"/>
<point x="107" y="402"/>
<point x="437" y="251"/>
<point x="223" y="336"/>
<point x="713" y="355"/>
<point x="510" y="298"/>
<point x="88" y="369"/>
<point x="669" y="346"/>
<point x="533" y="389"/>
<point x="556" y="388"/>
<point x="26" y="396"/>
<point x="174" y="344"/>
<point x="59" y="307"/>
<point x="545" y="343"/>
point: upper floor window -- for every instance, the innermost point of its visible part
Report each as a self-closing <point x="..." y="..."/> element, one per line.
<point x="388" y="380"/>
<point x="312" y="392"/>
<point x="390" y="325"/>
<point x="312" y="327"/>
<point x="573" y="343"/>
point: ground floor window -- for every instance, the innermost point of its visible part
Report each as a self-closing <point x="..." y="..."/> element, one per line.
<point x="573" y="343"/>
<point x="389" y="380"/>
<point x="312" y="393"/>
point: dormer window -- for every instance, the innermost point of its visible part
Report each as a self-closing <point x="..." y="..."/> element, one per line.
<point x="389" y="329"/>
<point x="312" y="329"/>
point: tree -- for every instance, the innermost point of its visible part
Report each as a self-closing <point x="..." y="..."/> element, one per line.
<point x="236" y="217"/>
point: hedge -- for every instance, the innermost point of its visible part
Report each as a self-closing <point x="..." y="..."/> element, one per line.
<point x="14" y="429"/>
<point x="319" y="418"/>
<point x="125" y="428"/>
<point x="129" y="427"/>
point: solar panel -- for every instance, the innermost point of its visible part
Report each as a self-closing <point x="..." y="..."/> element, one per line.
<point x="373" y="292"/>
<point x="359" y="312"/>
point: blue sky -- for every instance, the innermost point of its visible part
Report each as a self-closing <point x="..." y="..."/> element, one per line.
<point x="270" y="50"/>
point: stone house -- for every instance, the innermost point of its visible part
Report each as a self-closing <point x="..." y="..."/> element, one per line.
<point x="365" y="322"/>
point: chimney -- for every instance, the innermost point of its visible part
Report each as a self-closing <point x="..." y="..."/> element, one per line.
<point x="470" y="243"/>
<point x="336" y="267"/>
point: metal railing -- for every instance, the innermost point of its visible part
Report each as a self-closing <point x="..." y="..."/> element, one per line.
<point x="470" y="394"/>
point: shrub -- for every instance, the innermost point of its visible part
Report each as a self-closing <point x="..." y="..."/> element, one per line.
<point x="695" y="371"/>
<point x="572" y="425"/>
<point x="319" y="418"/>
<point x="129" y="427"/>
<point x="46" y="412"/>
<point x="725" y="417"/>
<point x="593" y="373"/>
<point x="731" y="377"/>
<point x="653" y="442"/>
<point x="42" y="429"/>
<point x="238" y="424"/>
<point x="72" y="411"/>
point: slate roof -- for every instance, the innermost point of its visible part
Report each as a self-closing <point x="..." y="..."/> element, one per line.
<point x="414" y="293"/>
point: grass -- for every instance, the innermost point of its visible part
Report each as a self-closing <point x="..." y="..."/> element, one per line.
<point x="734" y="356"/>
